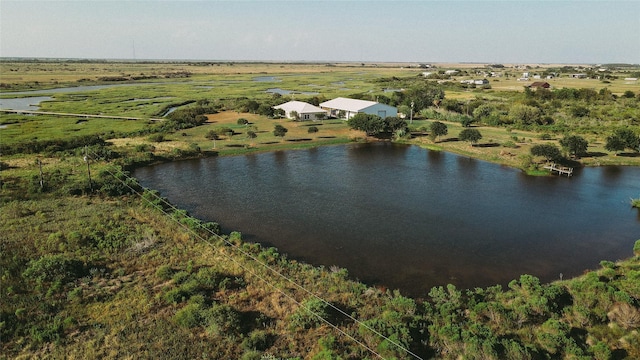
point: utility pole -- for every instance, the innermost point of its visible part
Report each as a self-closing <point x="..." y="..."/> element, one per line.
<point x="411" y="117"/>
<point x="86" y="159"/>
<point x="41" y="177"/>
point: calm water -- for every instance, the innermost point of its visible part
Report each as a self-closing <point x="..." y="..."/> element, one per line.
<point x="33" y="101"/>
<point x="410" y="218"/>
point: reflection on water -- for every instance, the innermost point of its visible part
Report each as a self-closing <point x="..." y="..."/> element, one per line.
<point x="409" y="218"/>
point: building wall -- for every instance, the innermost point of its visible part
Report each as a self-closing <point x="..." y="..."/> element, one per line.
<point x="381" y="110"/>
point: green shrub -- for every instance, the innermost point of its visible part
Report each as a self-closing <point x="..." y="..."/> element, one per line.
<point x="257" y="340"/>
<point x="223" y="319"/>
<point x="164" y="272"/>
<point x="312" y="129"/>
<point x="175" y="296"/>
<point x="145" y="148"/>
<point x="208" y="277"/>
<point x="180" y="277"/>
<point x="636" y="248"/>
<point x="310" y="314"/>
<point x="50" y="332"/>
<point x="242" y="121"/>
<point x="156" y="138"/>
<point x="509" y="144"/>
<point x="189" y="316"/>
<point x="75" y="294"/>
<point x="51" y="268"/>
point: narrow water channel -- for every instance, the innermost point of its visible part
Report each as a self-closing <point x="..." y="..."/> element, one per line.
<point x="409" y="218"/>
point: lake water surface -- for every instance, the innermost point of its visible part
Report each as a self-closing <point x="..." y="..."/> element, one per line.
<point x="409" y="218"/>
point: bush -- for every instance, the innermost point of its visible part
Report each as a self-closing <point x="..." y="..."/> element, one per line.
<point x="310" y="314"/>
<point x="257" y="340"/>
<point x="58" y="267"/>
<point x="164" y="272"/>
<point x="189" y="316"/>
<point x="312" y="129"/>
<point x="222" y="319"/>
<point x="243" y="121"/>
<point x="156" y="138"/>
<point x="510" y="144"/>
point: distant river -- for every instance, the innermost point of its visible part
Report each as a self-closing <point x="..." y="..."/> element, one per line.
<point x="408" y="218"/>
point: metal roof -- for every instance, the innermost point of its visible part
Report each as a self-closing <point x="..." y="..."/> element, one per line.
<point x="300" y="107"/>
<point x="353" y="105"/>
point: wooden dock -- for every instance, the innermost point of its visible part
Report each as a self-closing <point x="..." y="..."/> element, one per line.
<point x="561" y="170"/>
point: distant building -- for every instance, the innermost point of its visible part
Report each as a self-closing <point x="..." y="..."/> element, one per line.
<point x="350" y="107"/>
<point x="579" y="76"/>
<point x="304" y="110"/>
<point x="539" y="85"/>
<point x="475" y="82"/>
<point x="451" y="72"/>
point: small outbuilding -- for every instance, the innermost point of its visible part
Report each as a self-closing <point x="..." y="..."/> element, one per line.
<point x="299" y="110"/>
<point x="346" y="108"/>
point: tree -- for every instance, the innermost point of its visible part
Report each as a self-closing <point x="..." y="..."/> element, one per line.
<point x="405" y="110"/>
<point x="212" y="135"/>
<point x="437" y="129"/>
<point x="575" y="145"/>
<point x="483" y="111"/>
<point x="280" y="130"/>
<point x="614" y="143"/>
<point x="294" y="115"/>
<point x="371" y="124"/>
<point x="525" y="114"/>
<point x="470" y="135"/>
<point x="278" y="113"/>
<point x="394" y="124"/>
<point x="628" y="138"/>
<point x="266" y="110"/>
<point x="548" y="151"/>
<point x="312" y="129"/>
<point x="422" y="95"/>
<point x="251" y="134"/>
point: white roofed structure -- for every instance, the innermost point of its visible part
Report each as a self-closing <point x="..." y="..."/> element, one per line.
<point x="304" y="110"/>
<point x="350" y="107"/>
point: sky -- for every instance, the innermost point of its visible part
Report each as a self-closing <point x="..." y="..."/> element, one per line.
<point x="585" y="32"/>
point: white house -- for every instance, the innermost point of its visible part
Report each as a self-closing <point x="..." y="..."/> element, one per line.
<point x="350" y="107"/>
<point x="304" y="110"/>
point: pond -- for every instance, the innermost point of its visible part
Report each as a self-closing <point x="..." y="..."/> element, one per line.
<point x="29" y="100"/>
<point x="29" y="103"/>
<point x="408" y="218"/>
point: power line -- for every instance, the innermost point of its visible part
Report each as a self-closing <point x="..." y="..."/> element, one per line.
<point x="268" y="267"/>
